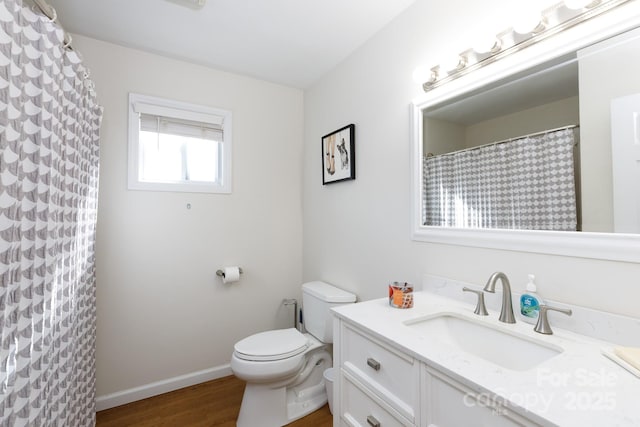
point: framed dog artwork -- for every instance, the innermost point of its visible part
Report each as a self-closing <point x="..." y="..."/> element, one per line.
<point x="339" y="155"/>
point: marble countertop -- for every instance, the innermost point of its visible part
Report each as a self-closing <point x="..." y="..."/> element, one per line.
<point x="578" y="387"/>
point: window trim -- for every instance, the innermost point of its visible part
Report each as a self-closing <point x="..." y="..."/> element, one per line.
<point x="181" y="110"/>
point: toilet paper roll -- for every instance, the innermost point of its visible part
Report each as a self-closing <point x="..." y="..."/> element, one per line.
<point x="231" y="274"/>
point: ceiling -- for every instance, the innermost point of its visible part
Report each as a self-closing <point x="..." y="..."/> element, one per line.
<point x="290" y="42"/>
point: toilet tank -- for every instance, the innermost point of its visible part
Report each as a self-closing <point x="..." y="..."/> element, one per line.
<point x="317" y="300"/>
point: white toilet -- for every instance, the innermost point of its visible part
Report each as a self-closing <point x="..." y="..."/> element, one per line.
<point x="284" y="368"/>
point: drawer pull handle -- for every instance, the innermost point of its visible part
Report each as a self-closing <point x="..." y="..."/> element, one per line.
<point x="371" y="420"/>
<point x="374" y="364"/>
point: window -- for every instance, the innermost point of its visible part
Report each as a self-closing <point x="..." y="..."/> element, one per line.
<point x="175" y="146"/>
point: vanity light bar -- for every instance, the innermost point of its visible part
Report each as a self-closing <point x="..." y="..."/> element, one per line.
<point x="551" y="21"/>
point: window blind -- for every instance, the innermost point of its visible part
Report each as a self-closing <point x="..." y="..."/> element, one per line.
<point x="180" y="127"/>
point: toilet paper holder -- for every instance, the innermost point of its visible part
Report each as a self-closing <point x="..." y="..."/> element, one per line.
<point x="221" y="272"/>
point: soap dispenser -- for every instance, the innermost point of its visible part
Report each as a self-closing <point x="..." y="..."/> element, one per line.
<point x="530" y="302"/>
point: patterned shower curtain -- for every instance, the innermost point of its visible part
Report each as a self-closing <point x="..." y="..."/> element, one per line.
<point x="525" y="184"/>
<point x="49" y="125"/>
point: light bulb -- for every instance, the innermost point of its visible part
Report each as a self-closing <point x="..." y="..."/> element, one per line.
<point x="527" y="17"/>
<point x="452" y="63"/>
<point x="577" y="4"/>
<point x="486" y="43"/>
<point x="527" y="23"/>
<point x="422" y="74"/>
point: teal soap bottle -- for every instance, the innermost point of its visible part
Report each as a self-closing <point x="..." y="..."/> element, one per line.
<point x="530" y="302"/>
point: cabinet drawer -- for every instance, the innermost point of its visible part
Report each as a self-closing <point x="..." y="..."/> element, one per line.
<point x="451" y="404"/>
<point x="363" y="410"/>
<point x="392" y="375"/>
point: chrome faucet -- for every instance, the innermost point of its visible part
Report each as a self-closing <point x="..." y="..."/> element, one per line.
<point x="506" y="312"/>
<point x="481" y="309"/>
<point x="543" y="327"/>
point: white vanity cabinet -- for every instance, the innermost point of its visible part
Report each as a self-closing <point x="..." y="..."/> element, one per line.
<point x="448" y="403"/>
<point x="397" y="368"/>
<point x="379" y="385"/>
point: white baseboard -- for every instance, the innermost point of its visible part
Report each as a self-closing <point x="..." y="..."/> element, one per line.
<point x="153" y="389"/>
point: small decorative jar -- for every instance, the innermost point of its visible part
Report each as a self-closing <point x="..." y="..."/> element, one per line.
<point x="401" y="295"/>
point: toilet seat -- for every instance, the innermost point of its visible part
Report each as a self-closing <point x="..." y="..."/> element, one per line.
<point x="283" y="369"/>
<point x="272" y="345"/>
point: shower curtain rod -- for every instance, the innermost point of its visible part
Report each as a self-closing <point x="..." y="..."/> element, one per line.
<point x="50" y="13"/>
<point x="506" y="140"/>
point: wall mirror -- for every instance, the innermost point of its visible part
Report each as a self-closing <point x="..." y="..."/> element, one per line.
<point x="559" y="89"/>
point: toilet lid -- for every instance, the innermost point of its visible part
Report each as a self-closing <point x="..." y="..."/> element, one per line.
<point x="272" y="345"/>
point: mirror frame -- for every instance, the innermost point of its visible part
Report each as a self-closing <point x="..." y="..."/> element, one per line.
<point x="605" y="246"/>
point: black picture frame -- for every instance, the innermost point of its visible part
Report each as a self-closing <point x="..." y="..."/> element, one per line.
<point x="339" y="155"/>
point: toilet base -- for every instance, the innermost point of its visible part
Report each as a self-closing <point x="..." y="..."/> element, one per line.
<point x="267" y="406"/>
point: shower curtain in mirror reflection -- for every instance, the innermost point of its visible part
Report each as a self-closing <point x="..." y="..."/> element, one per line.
<point x="49" y="125"/>
<point x="526" y="184"/>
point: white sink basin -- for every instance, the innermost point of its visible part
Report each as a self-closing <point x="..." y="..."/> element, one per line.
<point x="505" y="348"/>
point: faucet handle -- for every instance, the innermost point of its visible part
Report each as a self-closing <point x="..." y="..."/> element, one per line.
<point x="543" y="327"/>
<point x="481" y="309"/>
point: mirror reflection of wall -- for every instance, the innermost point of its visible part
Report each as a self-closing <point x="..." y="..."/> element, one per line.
<point x="442" y="136"/>
<point x="608" y="70"/>
<point x="548" y="98"/>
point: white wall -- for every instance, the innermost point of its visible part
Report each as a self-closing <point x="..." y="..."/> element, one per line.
<point x="162" y="312"/>
<point x="440" y="136"/>
<point x="357" y="233"/>
<point x="622" y="61"/>
<point x="443" y="137"/>
<point x="548" y="116"/>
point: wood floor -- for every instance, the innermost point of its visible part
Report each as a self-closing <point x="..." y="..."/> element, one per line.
<point x="214" y="403"/>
